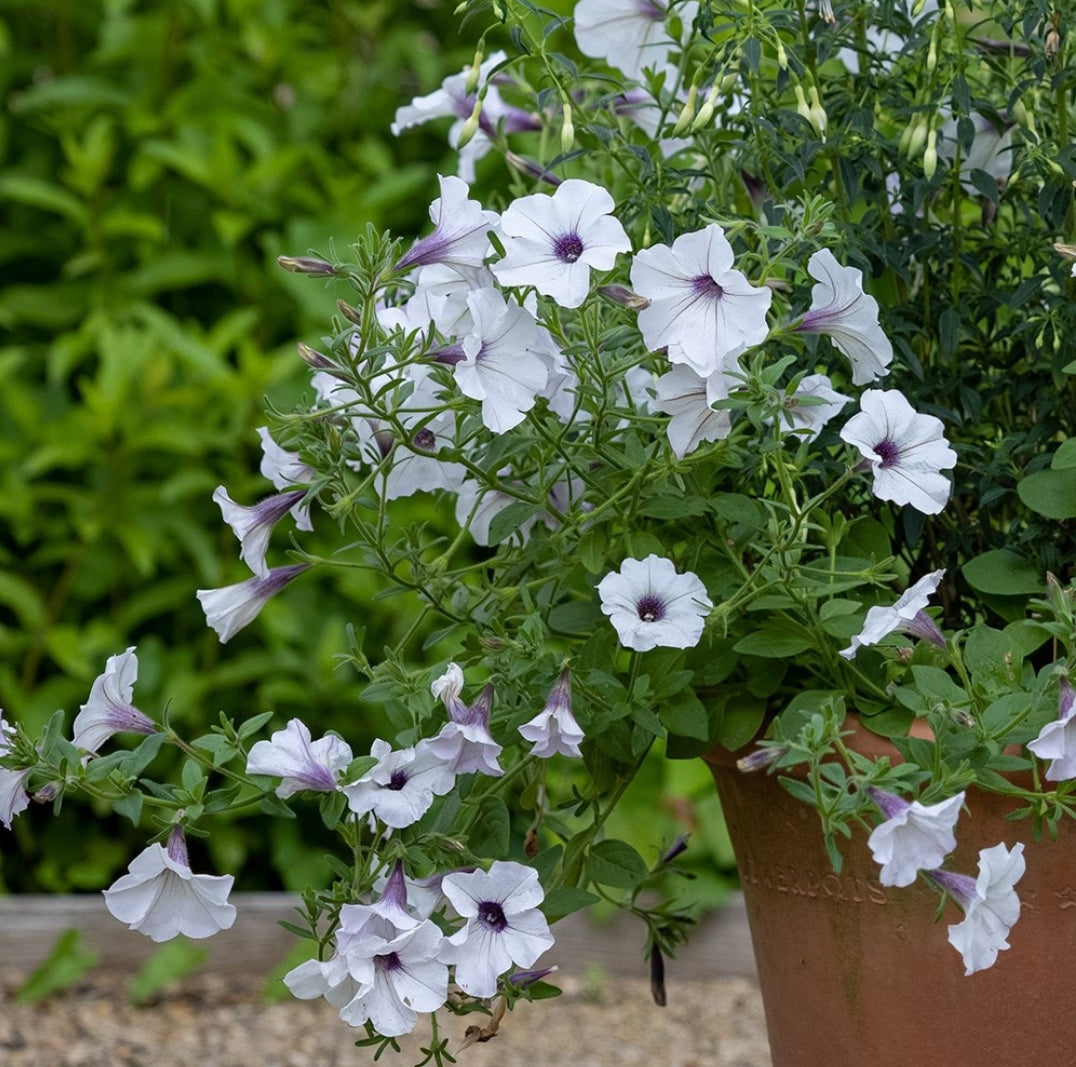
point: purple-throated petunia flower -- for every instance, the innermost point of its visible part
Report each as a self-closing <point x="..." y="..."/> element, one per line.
<point x="399" y="789"/>
<point x="386" y="967"/>
<point x="813" y="403"/>
<point x="554" y="730"/>
<point x="701" y="310"/>
<point x="553" y="242"/>
<point x="108" y="709"/>
<point x="161" y="898"/>
<point x="630" y="35"/>
<point x="991" y="905"/>
<point x="501" y="363"/>
<point x="460" y="237"/>
<point x="300" y="762"/>
<point x="230" y="608"/>
<point x="254" y="525"/>
<point x="650" y="605"/>
<point x="907" y="615"/>
<point x="13" y="797"/>
<point x="686" y="397"/>
<point x="285" y="470"/>
<point x="905" y="451"/>
<point x="1057" y="740"/>
<point x="914" y="837"/>
<point x="847" y="316"/>
<point x="464" y="742"/>
<point x="503" y="924"/>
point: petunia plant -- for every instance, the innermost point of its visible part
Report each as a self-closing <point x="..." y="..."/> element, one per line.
<point x="674" y="386"/>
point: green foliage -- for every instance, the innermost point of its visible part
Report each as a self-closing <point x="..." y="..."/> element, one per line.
<point x="168" y="964"/>
<point x="65" y="965"/>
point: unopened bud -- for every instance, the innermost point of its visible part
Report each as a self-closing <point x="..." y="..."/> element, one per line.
<point x="622" y="295"/>
<point x="801" y="103"/>
<point x="47" y="793"/>
<point x="706" y="112"/>
<point x="313" y="358"/>
<point x="474" y="73"/>
<point x="932" y="53"/>
<point x="353" y="315"/>
<point x="530" y="168"/>
<point x="657" y="976"/>
<point x="761" y="758"/>
<point x="305" y="265"/>
<point x="825" y="9"/>
<point x="918" y="128"/>
<point x="782" y="55"/>
<point x="687" y="112"/>
<point x="567" y="128"/>
<point x="930" y="156"/>
<point x="470" y="127"/>
<point x="817" y="113"/>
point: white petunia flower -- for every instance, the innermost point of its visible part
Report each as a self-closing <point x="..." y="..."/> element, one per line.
<point x="553" y="242"/>
<point x="991" y="905"/>
<point x="460" y="237"/>
<point x="905" y="451"/>
<point x="650" y="605"/>
<point x="285" y="469"/>
<point x="298" y="761"/>
<point x="13" y="797"/>
<point x="254" y="525"/>
<point x="686" y="397"/>
<point x="230" y="608"/>
<point x="990" y="151"/>
<point x="464" y="743"/>
<point x="630" y="35"/>
<point x="808" y="418"/>
<point x="848" y="316"/>
<point x="504" y="926"/>
<point x="161" y="898"/>
<point x="1057" y="740"/>
<point x="501" y="364"/>
<point x="907" y="615"/>
<point x="914" y="837"/>
<point x="108" y="709"/>
<point x="401" y="787"/>
<point x="701" y="310"/>
<point x="554" y="730"/>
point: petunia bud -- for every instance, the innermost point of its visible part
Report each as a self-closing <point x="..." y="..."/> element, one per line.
<point x="530" y="168"/>
<point x="801" y="103"/>
<point x="305" y="265"/>
<point x="687" y="112"/>
<point x="817" y="113"/>
<point x="470" y="127"/>
<point x="917" y="135"/>
<point x="622" y="295"/>
<point x="313" y="358"/>
<point x="567" y="128"/>
<point x="930" y="156"/>
<point x="474" y="73"/>
<point x="706" y="112"/>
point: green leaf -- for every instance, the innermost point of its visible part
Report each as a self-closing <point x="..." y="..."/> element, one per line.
<point x="1065" y="456"/>
<point x="615" y="863"/>
<point x="493" y="829"/>
<point x="686" y="716"/>
<point x="1004" y="573"/>
<point x="1051" y="492"/>
<point x="564" y="901"/>
<point x="507" y="521"/>
<point x="63" y="967"/>
<point x="772" y="643"/>
<point x="170" y="962"/>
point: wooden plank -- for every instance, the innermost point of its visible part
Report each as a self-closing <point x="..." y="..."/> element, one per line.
<point x="29" y="926"/>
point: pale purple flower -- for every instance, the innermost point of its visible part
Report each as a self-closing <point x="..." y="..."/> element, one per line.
<point x="554" y="730"/>
<point x="386" y="967"/>
<point x="501" y="365"/>
<point x="906" y="615"/>
<point x="298" y="761"/>
<point x="991" y="905"/>
<point x="553" y="242"/>
<point x="848" y="316"/>
<point x="630" y="35"/>
<point x="809" y="418"/>
<point x="464" y="743"/>
<point x="285" y="470"/>
<point x="161" y="898"/>
<point x="400" y="788"/>
<point x="1057" y="740"/>
<point x="254" y="525"/>
<point x="905" y="451"/>
<point x="914" y="837"/>
<point x="990" y="150"/>
<point x="652" y="606"/>
<point x="439" y="299"/>
<point x="460" y="238"/>
<point x="701" y="310"/>
<point x="109" y="709"/>
<point x="13" y="796"/>
<point x="503" y="924"/>
<point x="230" y="608"/>
<point x="686" y="397"/>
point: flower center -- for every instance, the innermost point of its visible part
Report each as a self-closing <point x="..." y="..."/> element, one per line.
<point x="887" y="452"/>
<point x="651" y="608"/>
<point x="390" y="961"/>
<point x="491" y="915"/>
<point x="397" y="781"/>
<point x="425" y="439"/>
<point x="568" y="248"/>
<point x="705" y="286"/>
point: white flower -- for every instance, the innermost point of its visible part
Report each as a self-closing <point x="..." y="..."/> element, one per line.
<point x="809" y="418"/>
<point x="285" y="469"/>
<point x="230" y="608"/>
<point x="504" y="926"/>
<point x="687" y="398"/>
<point x="254" y="525"/>
<point x="464" y="743"/>
<point x="502" y="366"/>
<point x="650" y="605"/>
<point x="554" y="729"/>
<point x="914" y="836"/>
<point x="907" y="615"/>
<point x="630" y="34"/>
<point x="701" y="310"/>
<point x="298" y="761"/>
<point x="460" y="237"/>
<point x="161" y="898"/>
<point x="400" y="788"/>
<point x="906" y="451"/>
<point x="1057" y="740"/>
<point x="991" y="905"/>
<point x="990" y="150"/>
<point x="848" y="316"/>
<point x="13" y="797"/>
<point x="552" y="242"/>
<point x="108" y="709"/>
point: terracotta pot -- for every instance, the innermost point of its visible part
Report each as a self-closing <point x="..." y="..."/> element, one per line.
<point x="854" y="974"/>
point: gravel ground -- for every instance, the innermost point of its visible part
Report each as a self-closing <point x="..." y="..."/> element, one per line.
<point x="210" y="1021"/>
